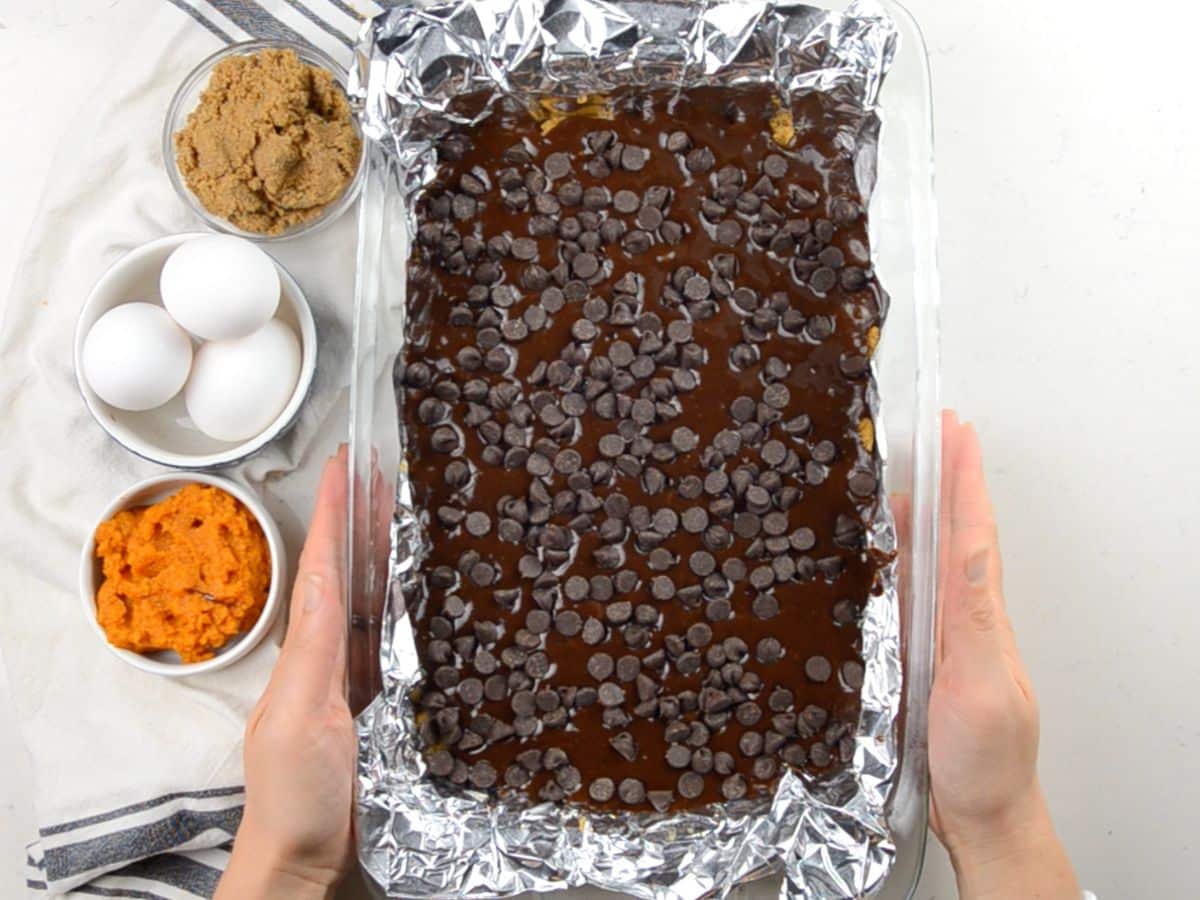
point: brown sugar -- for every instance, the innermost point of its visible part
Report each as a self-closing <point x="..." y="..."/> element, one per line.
<point x="271" y="143"/>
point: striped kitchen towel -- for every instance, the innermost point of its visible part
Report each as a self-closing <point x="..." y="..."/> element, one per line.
<point x="330" y="25"/>
<point x="137" y="780"/>
<point x="180" y="844"/>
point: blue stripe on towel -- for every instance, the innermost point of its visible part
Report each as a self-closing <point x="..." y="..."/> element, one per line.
<point x="118" y="892"/>
<point x="320" y="23"/>
<point x="256" y="21"/>
<point x="137" y="843"/>
<point x="195" y="14"/>
<point x="140" y="807"/>
<point x="348" y="10"/>
<point x="176" y="871"/>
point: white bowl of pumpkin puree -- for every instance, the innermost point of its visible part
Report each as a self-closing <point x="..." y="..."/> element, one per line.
<point x="182" y="574"/>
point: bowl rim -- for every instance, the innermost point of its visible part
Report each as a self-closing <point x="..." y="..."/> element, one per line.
<point x="176" y="117"/>
<point x="166" y="484"/>
<point x="290" y="292"/>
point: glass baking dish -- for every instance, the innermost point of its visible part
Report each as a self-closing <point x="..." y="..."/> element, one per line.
<point x="903" y="231"/>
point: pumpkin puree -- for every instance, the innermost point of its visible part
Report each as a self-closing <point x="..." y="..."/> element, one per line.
<point x="185" y="574"/>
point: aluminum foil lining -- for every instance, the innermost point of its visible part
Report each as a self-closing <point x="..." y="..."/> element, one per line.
<point x="418" y="838"/>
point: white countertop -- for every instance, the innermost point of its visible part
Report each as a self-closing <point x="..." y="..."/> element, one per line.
<point x="1068" y="180"/>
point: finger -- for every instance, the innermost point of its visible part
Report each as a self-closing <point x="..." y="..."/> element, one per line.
<point x="342" y="466"/>
<point x="374" y="507"/>
<point x="901" y="505"/>
<point x="313" y="655"/>
<point x="324" y="549"/>
<point x="951" y="439"/>
<point x="974" y="623"/>
<point x="951" y="442"/>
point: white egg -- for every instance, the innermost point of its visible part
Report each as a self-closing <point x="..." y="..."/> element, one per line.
<point x="240" y="386"/>
<point x="135" y="357"/>
<point x="220" y="287"/>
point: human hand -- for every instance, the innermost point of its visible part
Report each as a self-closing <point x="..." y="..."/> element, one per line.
<point x="295" y="840"/>
<point x="987" y="807"/>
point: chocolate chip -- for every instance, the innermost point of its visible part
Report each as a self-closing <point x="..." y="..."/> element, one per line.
<point x="649" y="218"/>
<point x="768" y="650"/>
<point x="831" y="566"/>
<point x="611" y="694"/>
<point x="742" y="409"/>
<point x="822" y="280"/>
<point x="440" y="763"/>
<point x="600" y="666"/>
<point x="568" y="623"/>
<point x="750" y="743"/>
<point x="733" y="787"/>
<point x="631" y="791"/>
<point x="662" y="587"/>
<point x="557" y="165"/>
<point x="593" y="631"/>
<point x="852" y="674"/>
<point x="660" y="800"/>
<point x="684" y="440"/>
<point x="763" y="768"/>
<point x="634" y="159"/>
<point x="699" y="160"/>
<point x="688" y="663"/>
<point x="585" y="265"/>
<point x="516" y="777"/>
<point x="679" y="756"/>
<point x="729" y="232"/>
<point x="718" y="610"/>
<point x="848" y="532"/>
<point x="817" y="668"/>
<point x="678" y="141"/>
<point x="601" y="789"/>
<point x="762" y="577"/>
<point x="862" y="483"/>
<point x="478" y="524"/>
<point x="618" y="613"/>
<point x="775" y="166"/>
<point x="482" y="775"/>
<point x="636" y="241"/>
<point x="802" y="539"/>
<point x="628" y="667"/>
<point x="844" y="612"/>
<point x="569" y="779"/>
<point x="584" y="330"/>
<point x="576" y="588"/>
<point x="853" y="278"/>
<point x="702" y="563"/>
<point x="765" y="606"/>
<point x="690" y="785"/>
<point x="819" y="755"/>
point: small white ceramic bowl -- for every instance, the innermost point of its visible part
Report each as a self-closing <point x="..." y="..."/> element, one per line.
<point x="150" y="491"/>
<point x="166" y="435"/>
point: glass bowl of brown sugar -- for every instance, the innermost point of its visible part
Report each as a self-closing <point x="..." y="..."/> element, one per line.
<point x="261" y="141"/>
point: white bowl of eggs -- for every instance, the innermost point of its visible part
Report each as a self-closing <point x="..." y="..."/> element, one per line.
<point x="195" y="350"/>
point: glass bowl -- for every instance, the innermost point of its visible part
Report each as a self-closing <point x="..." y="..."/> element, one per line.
<point x="185" y="100"/>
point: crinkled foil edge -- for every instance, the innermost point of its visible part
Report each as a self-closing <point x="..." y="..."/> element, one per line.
<point x="419" y="838"/>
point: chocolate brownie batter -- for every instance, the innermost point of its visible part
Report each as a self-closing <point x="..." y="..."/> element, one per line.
<point x="635" y="401"/>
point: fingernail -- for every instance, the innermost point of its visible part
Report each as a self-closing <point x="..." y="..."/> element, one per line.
<point x="977" y="567"/>
<point x="314" y="591"/>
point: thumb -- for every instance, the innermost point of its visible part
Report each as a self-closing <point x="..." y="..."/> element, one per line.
<point x="974" y="623"/>
<point x="312" y="662"/>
